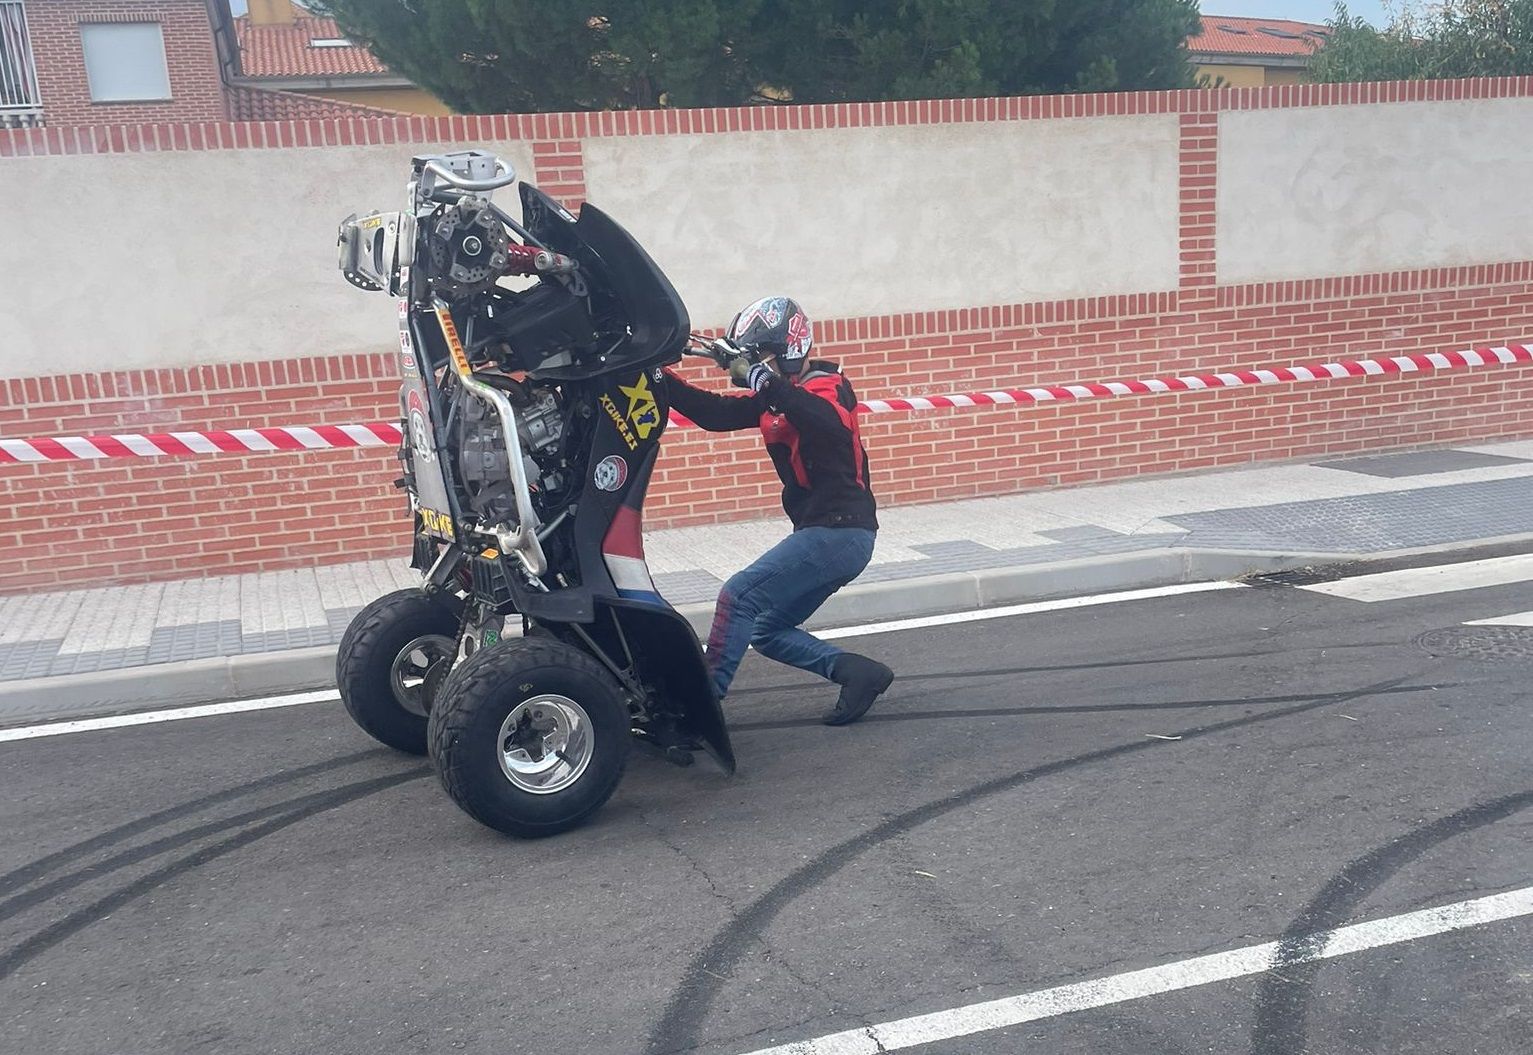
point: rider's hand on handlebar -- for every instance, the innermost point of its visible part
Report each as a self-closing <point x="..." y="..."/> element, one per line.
<point x="746" y="374"/>
<point x="739" y="369"/>
<point x="724" y="351"/>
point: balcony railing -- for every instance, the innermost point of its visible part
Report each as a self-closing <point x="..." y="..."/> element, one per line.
<point x="20" y="103"/>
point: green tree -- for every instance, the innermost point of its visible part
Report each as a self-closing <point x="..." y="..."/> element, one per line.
<point x="530" y="55"/>
<point x="852" y="50"/>
<point x="1455" y="38"/>
<point x="485" y="56"/>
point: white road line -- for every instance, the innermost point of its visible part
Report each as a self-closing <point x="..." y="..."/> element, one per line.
<point x="1515" y="619"/>
<point x="33" y="732"/>
<point x="1422" y="582"/>
<point x="1167" y="978"/>
<point x="1030" y="608"/>
<point x="118" y="721"/>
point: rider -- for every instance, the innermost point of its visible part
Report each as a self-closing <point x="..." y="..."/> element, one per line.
<point x="807" y="414"/>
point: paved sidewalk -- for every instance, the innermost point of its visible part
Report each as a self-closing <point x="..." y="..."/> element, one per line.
<point x="1349" y="508"/>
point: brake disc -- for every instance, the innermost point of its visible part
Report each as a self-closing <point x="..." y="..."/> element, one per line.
<point x="468" y="247"/>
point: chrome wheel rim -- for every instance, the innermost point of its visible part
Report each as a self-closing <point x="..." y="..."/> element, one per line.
<point x="546" y="744"/>
<point x="407" y="675"/>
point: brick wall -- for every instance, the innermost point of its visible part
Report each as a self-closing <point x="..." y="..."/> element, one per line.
<point x="121" y="521"/>
<point x="195" y="87"/>
<point x="559" y="169"/>
<point x="931" y="455"/>
<point x="133" y="520"/>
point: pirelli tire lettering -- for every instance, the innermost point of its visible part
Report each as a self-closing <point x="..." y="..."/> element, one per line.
<point x="454" y="343"/>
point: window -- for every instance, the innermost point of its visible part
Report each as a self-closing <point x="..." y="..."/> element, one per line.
<point x="331" y="42"/>
<point x="125" y="61"/>
<point x="18" y="74"/>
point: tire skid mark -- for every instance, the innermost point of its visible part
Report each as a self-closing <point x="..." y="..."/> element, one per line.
<point x="175" y="841"/>
<point x="25" y="874"/>
<point x="1056" y="668"/>
<point x="680" y="1024"/>
<point x="1284" y="992"/>
<point x="78" y="920"/>
<point x="1098" y="708"/>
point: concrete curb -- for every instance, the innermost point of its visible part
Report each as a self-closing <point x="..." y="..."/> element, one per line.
<point x="193" y="681"/>
<point x="197" y="681"/>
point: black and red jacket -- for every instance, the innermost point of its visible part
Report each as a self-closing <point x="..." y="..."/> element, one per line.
<point x="811" y="433"/>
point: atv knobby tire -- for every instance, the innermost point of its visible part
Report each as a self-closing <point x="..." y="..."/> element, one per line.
<point x="466" y="723"/>
<point x="365" y="660"/>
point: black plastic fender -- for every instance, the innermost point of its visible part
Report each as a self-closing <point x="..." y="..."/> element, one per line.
<point x="667" y="656"/>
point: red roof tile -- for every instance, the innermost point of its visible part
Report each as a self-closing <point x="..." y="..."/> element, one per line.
<point x="263" y="104"/>
<point x="1257" y="36"/>
<point x="287" y="51"/>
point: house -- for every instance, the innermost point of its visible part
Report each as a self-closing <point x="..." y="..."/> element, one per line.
<point x="66" y="63"/>
<point x="1251" y="52"/>
<point x="107" y="62"/>
<point x="280" y="46"/>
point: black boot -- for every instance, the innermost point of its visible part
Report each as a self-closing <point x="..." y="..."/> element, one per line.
<point x="861" y="680"/>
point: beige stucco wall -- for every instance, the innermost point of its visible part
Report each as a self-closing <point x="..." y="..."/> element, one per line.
<point x="1356" y="189"/>
<point x="173" y="259"/>
<point x="873" y="221"/>
<point x="221" y="256"/>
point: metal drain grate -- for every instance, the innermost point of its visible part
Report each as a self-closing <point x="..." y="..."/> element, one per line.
<point x="1491" y="643"/>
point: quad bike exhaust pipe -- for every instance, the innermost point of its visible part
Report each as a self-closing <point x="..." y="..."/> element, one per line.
<point x="523" y="541"/>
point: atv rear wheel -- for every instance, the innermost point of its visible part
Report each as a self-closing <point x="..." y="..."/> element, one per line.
<point x="530" y="736"/>
<point x="382" y="665"/>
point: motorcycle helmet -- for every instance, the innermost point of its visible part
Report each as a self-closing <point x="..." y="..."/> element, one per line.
<point x="774" y="326"/>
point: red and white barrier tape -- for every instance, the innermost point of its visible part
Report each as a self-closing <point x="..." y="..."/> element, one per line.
<point x="156" y="444"/>
<point x="387" y="434"/>
<point x="1400" y="364"/>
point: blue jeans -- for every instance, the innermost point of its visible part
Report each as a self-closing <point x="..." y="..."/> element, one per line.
<point x="763" y="605"/>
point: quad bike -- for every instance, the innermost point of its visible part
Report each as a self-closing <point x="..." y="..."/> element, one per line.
<point x="536" y="648"/>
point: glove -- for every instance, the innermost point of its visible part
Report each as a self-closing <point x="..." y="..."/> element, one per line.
<point x="739" y="369"/>
<point x="723" y="351"/>
<point x="745" y="374"/>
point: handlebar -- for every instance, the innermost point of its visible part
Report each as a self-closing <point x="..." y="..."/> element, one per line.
<point x="716" y="348"/>
<point x="504" y="175"/>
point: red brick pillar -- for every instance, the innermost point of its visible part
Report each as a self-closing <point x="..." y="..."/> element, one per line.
<point x="1199" y="175"/>
<point x="558" y="169"/>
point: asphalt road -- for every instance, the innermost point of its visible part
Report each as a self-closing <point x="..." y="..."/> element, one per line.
<point x="1003" y="823"/>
